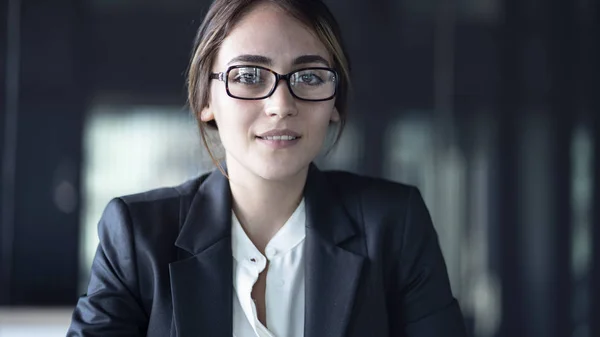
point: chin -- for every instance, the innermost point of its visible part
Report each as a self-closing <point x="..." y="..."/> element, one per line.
<point x="280" y="171"/>
<point x="268" y="167"/>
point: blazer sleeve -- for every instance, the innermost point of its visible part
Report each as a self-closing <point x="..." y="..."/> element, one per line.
<point x="111" y="307"/>
<point x="422" y="304"/>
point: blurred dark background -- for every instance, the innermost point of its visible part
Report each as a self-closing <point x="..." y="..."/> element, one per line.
<point x="490" y="107"/>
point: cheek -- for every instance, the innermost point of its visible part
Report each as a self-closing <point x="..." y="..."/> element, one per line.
<point x="233" y="118"/>
<point x="321" y="118"/>
<point x="318" y="128"/>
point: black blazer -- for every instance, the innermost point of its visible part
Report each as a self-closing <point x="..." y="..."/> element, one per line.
<point x="373" y="264"/>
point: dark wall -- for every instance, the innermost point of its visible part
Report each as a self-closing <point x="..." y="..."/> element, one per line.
<point x="40" y="208"/>
<point x="591" y="83"/>
<point x="4" y="247"/>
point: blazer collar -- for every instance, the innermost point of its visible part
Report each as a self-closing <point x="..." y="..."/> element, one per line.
<point x="209" y="217"/>
<point x="201" y="284"/>
<point x="326" y="214"/>
<point x="334" y="258"/>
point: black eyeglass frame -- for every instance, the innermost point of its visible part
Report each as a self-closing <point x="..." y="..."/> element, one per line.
<point x="224" y="77"/>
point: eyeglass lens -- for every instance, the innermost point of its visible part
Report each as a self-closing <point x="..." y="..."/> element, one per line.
<point x="254" y="82"/>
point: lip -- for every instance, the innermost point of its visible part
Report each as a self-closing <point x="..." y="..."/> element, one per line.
<point x="278" y="144"/>
<point x="279" y="132"/>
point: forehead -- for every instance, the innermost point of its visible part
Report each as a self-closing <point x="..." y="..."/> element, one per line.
<point x="269" y="31"/>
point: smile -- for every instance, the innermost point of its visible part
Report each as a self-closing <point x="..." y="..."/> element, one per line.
<point x="283" y="137"/>
<point x="279" y="139"/>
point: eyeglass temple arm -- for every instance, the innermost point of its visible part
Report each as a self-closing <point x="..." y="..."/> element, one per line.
<point x="218" y="76"/>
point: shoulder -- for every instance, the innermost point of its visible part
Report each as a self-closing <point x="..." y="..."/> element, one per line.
<point x="152" y="214"/>
<point x="161" y="202"/>
<point x="164" y="195"/>
<point x="370" y="191"/>
<point x="390" y="211"/>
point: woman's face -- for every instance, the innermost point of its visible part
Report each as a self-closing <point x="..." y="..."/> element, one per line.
<point x="269" y="37"/>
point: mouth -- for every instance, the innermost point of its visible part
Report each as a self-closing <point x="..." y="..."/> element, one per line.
<point x="279" y="135"/>
<point x="278" y="138"/>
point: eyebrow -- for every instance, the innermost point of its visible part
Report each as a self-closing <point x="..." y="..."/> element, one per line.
<point x="305" y="59"/>
<point x="259" y="59"/>
<point x="263" y="60"/>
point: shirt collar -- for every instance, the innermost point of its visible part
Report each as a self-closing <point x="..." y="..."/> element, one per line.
<point x="289" y="236"/>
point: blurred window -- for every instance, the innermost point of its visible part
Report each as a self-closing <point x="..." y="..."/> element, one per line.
<point x="130" y="149"/>
<point x="346" y="154"/>
<point x="411" y="157"/>
<point x="582" y="158"/>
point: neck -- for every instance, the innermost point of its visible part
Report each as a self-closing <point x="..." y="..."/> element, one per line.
<point x="262" y="206"/>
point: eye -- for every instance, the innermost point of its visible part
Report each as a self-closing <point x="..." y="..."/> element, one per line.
<point x="308" y="77"/>
<point x="248" y="76"/>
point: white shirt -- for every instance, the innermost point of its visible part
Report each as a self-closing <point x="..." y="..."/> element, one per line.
<point x="284" y="295"/>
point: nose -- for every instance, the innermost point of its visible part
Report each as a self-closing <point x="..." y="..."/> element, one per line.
<point x="281" y="103"/>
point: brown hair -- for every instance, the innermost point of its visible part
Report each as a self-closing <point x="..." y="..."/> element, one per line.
<point x="223" y="15"/>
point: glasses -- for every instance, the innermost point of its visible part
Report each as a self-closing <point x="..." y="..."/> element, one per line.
<point x="254" y="82"/>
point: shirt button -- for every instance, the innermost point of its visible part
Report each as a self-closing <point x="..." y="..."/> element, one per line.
<point x="280" y="283"/>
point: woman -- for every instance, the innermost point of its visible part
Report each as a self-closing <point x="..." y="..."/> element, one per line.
<point x="269" y="245"/>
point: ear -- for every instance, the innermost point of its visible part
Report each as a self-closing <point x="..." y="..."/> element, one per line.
<point x="206" y="115"/>
<point x="335" y="115"/>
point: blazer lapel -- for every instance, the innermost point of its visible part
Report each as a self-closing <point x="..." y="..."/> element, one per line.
<point x="333" y="260"/>
<point x="201" y="283"/>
